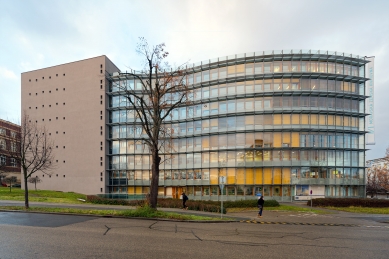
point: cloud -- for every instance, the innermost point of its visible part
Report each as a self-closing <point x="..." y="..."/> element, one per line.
<point x="8" y="74"/>
<point x="42" y="33"/>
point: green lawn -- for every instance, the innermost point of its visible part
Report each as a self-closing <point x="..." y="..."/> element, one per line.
<point x="281" y="208"/>
<point x="41" y="195"/>
<point x="361" y="210"/>
<point x="143" y="212"/>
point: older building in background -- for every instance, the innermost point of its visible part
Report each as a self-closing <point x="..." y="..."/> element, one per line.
<point x="9" y="133"/>
<point x="279" y="123"/>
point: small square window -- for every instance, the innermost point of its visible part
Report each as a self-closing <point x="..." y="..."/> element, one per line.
<point x="64" y="89"/>
<point x="56" y="118"/>
<point x="49" y="105"/>
<point x="29" y="94"/>
<point x="29" y="108"/>
<point x="57" y="175"/>
<point x="43" y="77"/>
<point x="63" y="146"/>
<point x="101" y="179"/>
<point x="43" y="92"/>
<point x="57" y="162"/>
<point x="29" y="80"/>
<point x="63" y="117"/>
<point x="56" y="89"/>
<point x="43" y="119"/>
<point x="101" y="65"/>
<point x="50" y="92"/>
<point x="36" y="80"/>
<point x="64" y="175"/>
<point x="56" y="132"/>
<point x="63" y="103"/>
<point x="36" y="93"/>
<point x="50" y="134"/>
<point x="43" y="106"/>
<point x="101" y="189"/>
<point x="49" y="119"/>
<point x="56" y="74"/>
<point x="64" y="161"/>
<point x="63" y="74"/>
<point x="56" y="103"/>
<point x="64" y="132"/>
<point x="56" y="146"/>
<point x="49" y="77"/>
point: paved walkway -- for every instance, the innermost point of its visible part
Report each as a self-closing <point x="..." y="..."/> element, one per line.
<point x="269" y="217"/>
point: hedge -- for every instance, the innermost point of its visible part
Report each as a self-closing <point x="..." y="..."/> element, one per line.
<point x="162" y="203"/>
<point x="348" y="202"/>
<point x="209" y="206"/>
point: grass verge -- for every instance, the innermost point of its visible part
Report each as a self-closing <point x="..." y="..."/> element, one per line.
<point x="361" y="210"/>
<point x="41" y="196"/>
<point x="144" y="212"/>
<point x="280" y="208"/>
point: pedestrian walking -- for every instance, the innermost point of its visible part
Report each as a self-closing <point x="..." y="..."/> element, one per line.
<point x="184" y="199"/>
<point x="260" y="203"/>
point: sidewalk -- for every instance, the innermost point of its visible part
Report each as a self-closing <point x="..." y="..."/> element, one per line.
<point x="273" y="217"/>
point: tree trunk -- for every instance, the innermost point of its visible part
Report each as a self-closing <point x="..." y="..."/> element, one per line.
<point x="26" y="203"/>
<point x="154" y="178"/>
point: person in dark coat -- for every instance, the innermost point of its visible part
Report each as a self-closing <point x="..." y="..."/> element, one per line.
<point x="184" y="199"/>
<point x="260" y="203"/>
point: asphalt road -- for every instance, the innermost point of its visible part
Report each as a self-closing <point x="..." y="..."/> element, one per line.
<point x="30" y="235"/>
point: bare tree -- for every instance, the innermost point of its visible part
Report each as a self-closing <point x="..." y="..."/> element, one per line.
<point x="34" y="152"/>
<point x="35" y="180"/>
<point x="378" y="176"/>
<point x="162" y="89"/>
<point x="10" y="180"/>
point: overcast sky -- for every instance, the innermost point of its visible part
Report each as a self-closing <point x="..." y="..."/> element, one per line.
<point x="43" y="33"/>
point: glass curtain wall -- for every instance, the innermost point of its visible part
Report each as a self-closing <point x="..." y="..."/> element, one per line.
<point x="271" y="124"/>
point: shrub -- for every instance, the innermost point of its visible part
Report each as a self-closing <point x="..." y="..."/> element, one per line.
<point x="348" y="202"/>
<point x="98" y="200"/>
<point x="162" y="203"/>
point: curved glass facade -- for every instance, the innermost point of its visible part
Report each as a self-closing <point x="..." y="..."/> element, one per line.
<point x="277" y="123"/>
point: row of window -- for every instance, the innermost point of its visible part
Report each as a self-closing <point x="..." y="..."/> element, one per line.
<point x="244" y="158"/>
<point x="285" y="103"/>
<point x="251" y="122"/>
<point x="250" y="69"/>
<point x="36" y="80"/>
<point x="276" y="175"/>
<point x="247" y="140"/>
<point x="3" y="131"/>
<point x="244" y="190"/>
<point x="44" y="91"/>
<point x="3" y="145"/>
<point x="12" y="161"/>
<point x="258" y="86"/>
